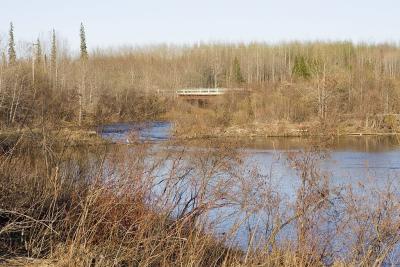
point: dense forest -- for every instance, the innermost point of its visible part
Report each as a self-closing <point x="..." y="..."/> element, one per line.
<point x="297" y="82"/>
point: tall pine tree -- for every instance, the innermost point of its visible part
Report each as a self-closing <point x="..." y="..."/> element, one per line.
<point x="53" y="58"/>
<point x="84" y="57"/>
<point x="38" y="52"/>
<point x="12" y="56"/>
<point x="84" y="53"/>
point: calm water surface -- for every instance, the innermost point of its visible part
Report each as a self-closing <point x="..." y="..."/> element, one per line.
<point x="351" y="160"/>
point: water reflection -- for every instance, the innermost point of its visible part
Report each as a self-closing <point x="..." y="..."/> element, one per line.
<point x="161" y="131"/>
<point x="370" y="160"/>
<point x="352" y="157"/>
<point x="370" y="144"/>
<point x="146" y="131"/>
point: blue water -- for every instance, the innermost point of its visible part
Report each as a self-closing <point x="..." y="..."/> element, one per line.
<point x="128" y="132"/>
<point x="351" y="161"/>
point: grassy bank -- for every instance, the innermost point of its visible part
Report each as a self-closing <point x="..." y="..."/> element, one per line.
<point x="282" y="129"/>
<point x="56" y="137"/>
<point x="214" y="121"/>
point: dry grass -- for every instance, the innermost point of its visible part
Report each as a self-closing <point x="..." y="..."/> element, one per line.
<point x="136" y="206"/>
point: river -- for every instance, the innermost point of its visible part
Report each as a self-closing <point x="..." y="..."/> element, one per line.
<point x="351" y="158"/>
<point x="370" y="160"/>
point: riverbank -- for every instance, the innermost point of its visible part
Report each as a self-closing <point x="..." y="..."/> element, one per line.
<point x="68" y="136"/>
<point x="279" y="129"/>
<point x="75" y="136"/>
<point x="126" y="216"/>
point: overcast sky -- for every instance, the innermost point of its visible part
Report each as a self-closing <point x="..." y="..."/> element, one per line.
<point x="124" y="22"/>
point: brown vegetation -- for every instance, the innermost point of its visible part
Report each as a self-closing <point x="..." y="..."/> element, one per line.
<point x="338" y="86"/>
<point x="135" y="206"/>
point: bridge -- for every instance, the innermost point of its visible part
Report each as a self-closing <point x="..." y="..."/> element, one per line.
<point x="202" y="96"/>
<point x="206" y="93"/>
<point x="198" y="92"/>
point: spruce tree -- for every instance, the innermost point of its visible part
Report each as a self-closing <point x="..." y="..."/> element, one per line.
<point x="237" y="71"/>
<point x="84" y="53"/>
<point x="38" y="52"/>
<point x="3" y="59"/>
<point x="84" y="57"/>
<point x="12" y="56"/>
<point x="53" y="56"/>
<point x="301" y="67"/>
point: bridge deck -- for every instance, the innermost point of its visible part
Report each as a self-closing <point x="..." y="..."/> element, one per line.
<point x="201" y="92"/>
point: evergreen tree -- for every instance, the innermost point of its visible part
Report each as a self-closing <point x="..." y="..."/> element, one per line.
<point x="237" y="71"/>
<point x="84" y="53"/>
<point x="53" y="56"/>
<point x="38" y="52"/>
<point x="3" y="59"/>
<point x="301" y="67"/>
<point x="12" y="56"/>
<point x="45" y="61"/>
<point x="84" y="57"/>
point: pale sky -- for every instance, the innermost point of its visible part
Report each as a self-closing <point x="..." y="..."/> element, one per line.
<point x="123" y="22"/>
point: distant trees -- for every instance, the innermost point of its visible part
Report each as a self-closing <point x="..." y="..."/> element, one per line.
<point x="295" y="82"/>
<point x="12" y="55"/>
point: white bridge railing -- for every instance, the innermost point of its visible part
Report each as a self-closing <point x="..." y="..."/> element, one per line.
<point x="200" y="91"/>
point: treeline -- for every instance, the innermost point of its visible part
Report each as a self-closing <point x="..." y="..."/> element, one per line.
<point x="295" y="82"/>
<point x="58" y="88"/>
